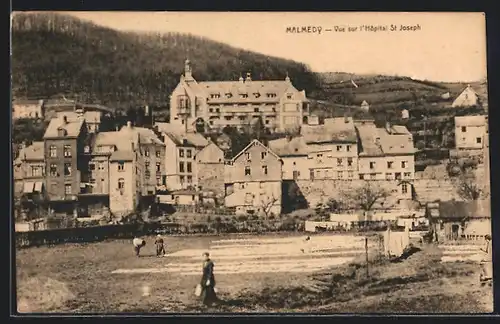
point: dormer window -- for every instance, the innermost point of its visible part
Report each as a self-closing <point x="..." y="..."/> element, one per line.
<point x="271" y="95"/>
<point x="214" y="95"/>
<point x="244" y="95"/>
<point x="256" y="94"/>
<point x="289" y="96"/>
<point x="229" y="95"/>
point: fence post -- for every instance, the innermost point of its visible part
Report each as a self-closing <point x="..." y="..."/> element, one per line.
<point x="366" y="254"/>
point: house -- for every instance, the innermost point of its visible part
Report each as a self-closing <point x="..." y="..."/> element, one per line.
<point x="387" y="154"/>
<point x="183" y="197"/>
<point x="405" y="114"/>
<point x="453" y="220"/>
<point x="217" y="104"/>
<point x="180" y="151"/>
<point x="253" y="181"/>
<point x="33" y="109"/>
<point x="153" y="150"/>
<point x="294" y="153"/>
<point x="210" y="169"/>
<point x="29" y="168"/>
<point x="64" y="142"/>
<point x="467" y="98"/>
<point x="470" y="132"/>
<point x="332" y="149"/>
<point x="92" y="118"/>
<point x="365" y="106"/>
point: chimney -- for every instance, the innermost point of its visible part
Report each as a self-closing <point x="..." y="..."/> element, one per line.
<point x="129" y="124"/>
<point x="249" y="77"/>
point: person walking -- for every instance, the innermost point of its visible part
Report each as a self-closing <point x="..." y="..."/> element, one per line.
<point x="487" y="261"/>
<point x="138" y="245"/>
<point x="208" y="295"/>
<point x="160" y="248"/>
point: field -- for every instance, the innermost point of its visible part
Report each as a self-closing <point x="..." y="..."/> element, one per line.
<point x="266" y="273"/>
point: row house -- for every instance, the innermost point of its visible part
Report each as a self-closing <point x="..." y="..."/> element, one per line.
<point x="217" y="104"/>
<point x="64" y="144"/>
<point x="327" y="151"/>
<point x="253" y="180"/>
<point x="181" y="149"/>
<point x="387" y="153"/>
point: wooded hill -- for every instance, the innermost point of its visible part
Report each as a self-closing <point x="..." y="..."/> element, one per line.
<point x="54" y="54"/>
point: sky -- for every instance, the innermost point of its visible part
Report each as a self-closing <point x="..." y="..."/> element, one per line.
<point x="448" y="47"/>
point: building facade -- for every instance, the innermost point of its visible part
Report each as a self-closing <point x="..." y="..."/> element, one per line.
<point x="32" y="109"/>
<point x="29" y="170"/>
<point x="470" y="132"/>
<point x="253" y="181"/>
<point x="217" y="104"/>
<point x="209" y="168"/>
<point x="467" y="98"/>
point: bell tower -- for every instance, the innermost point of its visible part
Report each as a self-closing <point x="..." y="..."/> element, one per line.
<point x="188" y="76"/>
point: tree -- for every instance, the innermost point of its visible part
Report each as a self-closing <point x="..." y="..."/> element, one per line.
<point x="366" y="196"/>
<point x="469" y="189"/>
<point x="267" y="205"/>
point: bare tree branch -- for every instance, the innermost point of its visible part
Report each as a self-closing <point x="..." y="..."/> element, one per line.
<point x="366" y="196"/>
<point x="468" y="188"/>
<point x="268" y="204"/>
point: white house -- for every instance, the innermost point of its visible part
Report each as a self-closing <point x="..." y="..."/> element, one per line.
<point x="468" y="97"/>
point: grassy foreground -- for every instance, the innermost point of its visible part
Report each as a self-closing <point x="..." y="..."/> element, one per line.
<point x="77" y="278"/>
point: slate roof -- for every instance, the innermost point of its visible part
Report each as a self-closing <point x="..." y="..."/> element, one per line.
<point x="332" y="131"/>
<point x="72" y="127"/>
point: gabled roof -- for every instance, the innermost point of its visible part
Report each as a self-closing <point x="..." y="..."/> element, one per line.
<point x="177" y="135"/>
<point x="399" y="141"/>
<point x="34" y="152"/>
<point x="72" y="127"/>
<point x="254" y="142"/>
<point x="333" y="130"/>
<point x="147" y="136"/>
<point x="295" y="146"/>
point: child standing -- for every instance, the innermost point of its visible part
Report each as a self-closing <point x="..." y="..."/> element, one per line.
<point x="160" y="248"/>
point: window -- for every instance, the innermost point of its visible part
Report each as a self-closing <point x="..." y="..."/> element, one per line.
<point x="256" y="110"/>
<point x="350" y="174"/>
<point x="53" y="151"/>
<point x="361" y="176"/>
<point x="146" y="165"/>
<point x="181" y="166"/>
<point x="189" y="167"/>
<point x="92" y="180"/>
<point x="296" y="174"/>
<point x="189" y="179"/>
<point x="348" y="148"/>
<point x="464" y="129"/>
<point x="121" y="166"/>
<point x="349" y="162"/>
<point x="267" y="122"/>
<point x="247" y="155"/>
<point x="247" y="170"/>
<point x="339" y="162"/>
<point x="181" y="179"/>
<point x="264" y="169"/>
<point x="53" y="169"/>
<point x="147" y="174"/>
<point x="188" y="153"/>
<point x="146" y="152"/>
<point x="319" y="155"/>
<point x="389" y="164"/>
<point x="263" y="155"/>
<point x="181" y="153"/>
<point x="289" y="96"/>
<point x="158" y="166"/>
<point x="36" y="171"/>
<point x="91" y="166"/>
<point x="67" y="189"/>
<point x="373" y="176"/>
<point x="372" y="165"/>
<point x="121" y="183"/>
<point x="327" y="173"/>
<point x="404" y="188"/>
<point x="158" y="154"/>
<point x="339" y="174"/>
<point x="217" y="110"/>
<point x="339" y="148"/>
<point x="86" y="149"/>
<point x="242" y="186"/>
<point x="67" y="150"/>
<point x="67" y="169"/>
<point x="244" y="95"/>
<point x="403" y="164"/>
<point x="101" y="165"/>
<point x="478" y="140"/>
<point x="388" y="176"/>
<point x="158" y="181"/>
<point x="210" y="110"/>
<point x="407" y="174"/>
<point x="311" y="174"/>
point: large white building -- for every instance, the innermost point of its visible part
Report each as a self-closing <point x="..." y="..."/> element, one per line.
<point x="216" y="104"/>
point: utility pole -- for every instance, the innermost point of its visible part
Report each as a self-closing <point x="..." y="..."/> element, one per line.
<point x="366" y="254"/>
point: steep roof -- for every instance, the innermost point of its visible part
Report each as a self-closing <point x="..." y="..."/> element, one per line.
<point x="147" y="136"/>
<point x="470" y="120"/>
<point x="255" y="142"/>
<point x="230" y="91"/>
<point x="34" y="152"/>
<point x="400" y="142"/>
<point x="333" y="130"/>
<point x="367" y="135"/>
<point x="295" y="146"/>
<point x="178" y="135"/>
<point x="72" y="127"/>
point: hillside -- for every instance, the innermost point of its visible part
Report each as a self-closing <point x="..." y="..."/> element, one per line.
<point x="53" y="54"/>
